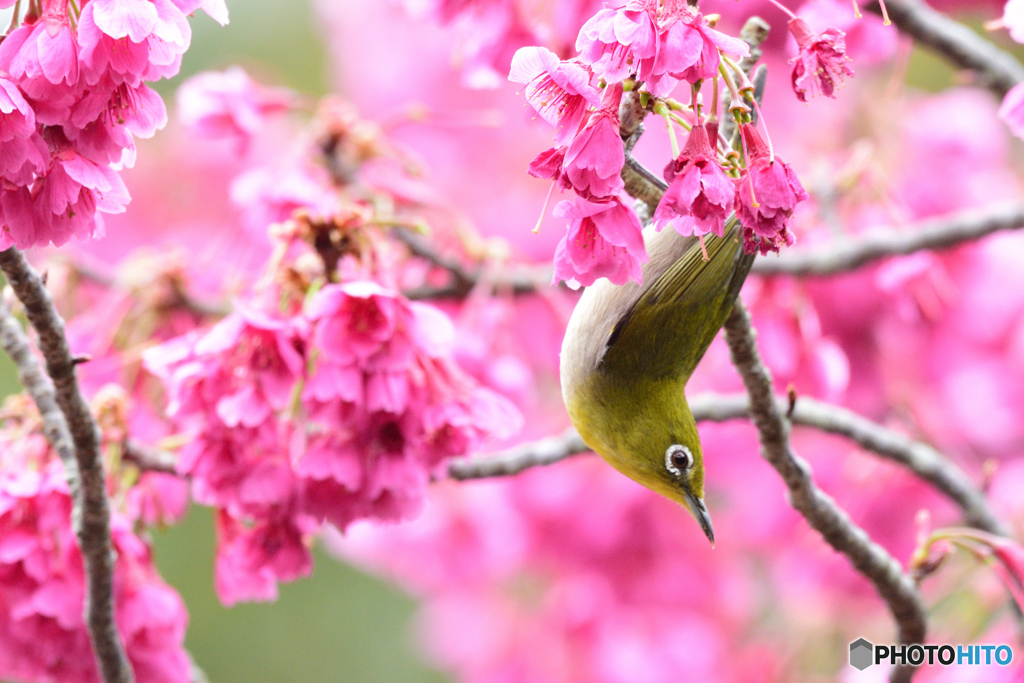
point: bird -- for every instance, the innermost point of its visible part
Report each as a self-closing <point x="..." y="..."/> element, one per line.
<point x="630" y="349"/>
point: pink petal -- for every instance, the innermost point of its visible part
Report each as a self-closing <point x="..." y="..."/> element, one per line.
<point x="119" y="18"/>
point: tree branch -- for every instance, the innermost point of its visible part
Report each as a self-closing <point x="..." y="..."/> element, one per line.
<point x="38" y="385"/>
<point x="922" y="459"/>
<point x="996" y="69"/>
<point x="93" y="525"/>
<point x="522" y="280"/>
<point x="894" y="586"/>
<point x="851" y="253"/>
<point x="149" y="459"/>
<point x="513" y="461"/>
<point x="180" y="298"/>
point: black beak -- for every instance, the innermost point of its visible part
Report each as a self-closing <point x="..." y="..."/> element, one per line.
<point x="700" y="513"/>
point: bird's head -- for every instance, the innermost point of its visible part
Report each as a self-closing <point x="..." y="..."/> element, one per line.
<point x="656" y="445"/>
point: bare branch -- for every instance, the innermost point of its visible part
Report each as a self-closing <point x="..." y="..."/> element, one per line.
<point x="93" y="526"/>
<point x="641" y="183"/>
<point x="180" y="298"/>
<point x="521" y="280"/>
<point x="513" y="461"/>
<point x="149" y="459"/>
<point x="996" y="69"/>
<point x="894" y="586"/>
<point x="922" y="459"/>
<point x="39" y="387"/>
<point x="940" y="233"/>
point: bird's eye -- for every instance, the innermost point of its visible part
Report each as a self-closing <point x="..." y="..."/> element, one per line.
<point x="678" y="459"/>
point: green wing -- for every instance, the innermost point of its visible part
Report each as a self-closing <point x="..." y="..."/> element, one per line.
<point x="671" y="325"/>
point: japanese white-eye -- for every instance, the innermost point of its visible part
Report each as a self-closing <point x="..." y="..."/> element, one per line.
<point x="629" y="351"/>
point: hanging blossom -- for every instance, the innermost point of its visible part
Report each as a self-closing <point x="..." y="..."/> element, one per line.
<point x="766" y="193"/>
<point x="74" y="96"/>
<point x="660" y="46"/>
<point x="700" y="194"/>
<point x="591" y="163"/>
<point x="604" y="239"/>
<point x="339" y="406"/>
<point x="594" y="159"/>
<point x="43" y="635"/>
<point x="562" y="92"/>
<point x="821" y="65"/>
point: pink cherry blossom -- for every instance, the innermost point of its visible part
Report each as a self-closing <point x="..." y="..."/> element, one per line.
<point x="821" y="65"/>
<point x="561" y="92"/>
<point x="700" y="195"/>
<point x="766" y="195"/>
<point x="690" y="49"/>
<point x="604" y="240"/>
<point x="868" y="39"/>
<point x="620" y="42"/>
<point x="131" y="40"/>
<point x="250" y="561"/>
<point x="45" y="49"/>
<point x="594" y="159"/>
<point x="228" y="105"/>
<point x="157" y="499"/>
<point x="41" y="596"/>
<point x="361" y="320"/>
<point x="1012" y="110"/>
<point x="216" y="9"/>
<point x="267" y="196"/>
<point x="549" y="164"/>
<point x="65" y="204"/>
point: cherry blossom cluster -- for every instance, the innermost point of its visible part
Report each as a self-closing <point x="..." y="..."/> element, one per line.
<point x="653" y="47"/>
<point x="74" y="94"/>
<point x="326" y="396"/>
<point x="42" y="632"/>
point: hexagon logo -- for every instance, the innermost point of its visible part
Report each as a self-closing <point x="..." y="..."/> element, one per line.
<point x="861" y="654"/>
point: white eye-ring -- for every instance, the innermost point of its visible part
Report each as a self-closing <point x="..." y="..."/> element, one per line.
<point x="678" y="459"/>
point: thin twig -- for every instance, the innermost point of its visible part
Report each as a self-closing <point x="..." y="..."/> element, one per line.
<point x="754" y="33"/>
<point x="181" y="298"/>
<point x="513" y="461"/>
<point x="40" y="388"/>
<point x="920" y="458"/>
<point x="521" y="280"/>
<point x="93" y="526"/>
<point x="996" y="69"/>
<point x="149" y="459"/>
<point x="852" y="253"/>
<point x="818" y="508"/>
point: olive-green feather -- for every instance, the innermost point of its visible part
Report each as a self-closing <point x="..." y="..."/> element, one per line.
<point x="669" y="328"/>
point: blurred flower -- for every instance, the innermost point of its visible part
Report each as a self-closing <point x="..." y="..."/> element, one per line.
<point x="229" y="105"/>
<point x="1012" y="110"/>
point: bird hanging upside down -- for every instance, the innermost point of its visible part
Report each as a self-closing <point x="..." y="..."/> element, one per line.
<point x="629" y="351"/>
